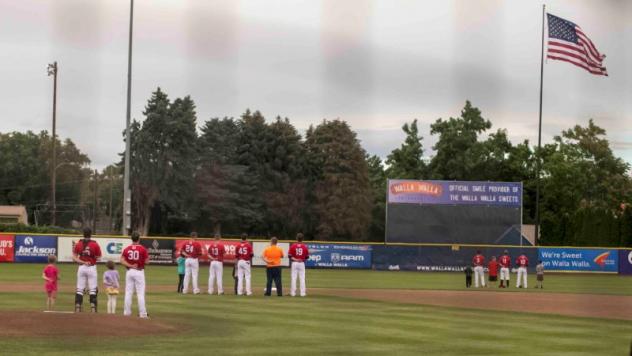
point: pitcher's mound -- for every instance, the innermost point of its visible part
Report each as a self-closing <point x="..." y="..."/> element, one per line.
<point x="80" y="325"/>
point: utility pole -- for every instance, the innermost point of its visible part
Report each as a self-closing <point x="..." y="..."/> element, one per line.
<point x="110" y="208"/>
<point x="95" y="210"/>
<point x="127" y="194"/>
<point x="52" y="70"/>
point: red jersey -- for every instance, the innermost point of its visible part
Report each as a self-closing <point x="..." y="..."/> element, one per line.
<point x="493" y="268"/>
<point x="505" y="261"/>
<point x="522" y="261"/>
<point x="298" y="251"/>
<point x="216" y="250"/>
<point x="88" y="252"/>
<point x="244" y="251"/>
<point x="51" y="272"/>
<point x="135" y="255"/>
<point x="478" y="260"/>
<point x="193" y="249"/>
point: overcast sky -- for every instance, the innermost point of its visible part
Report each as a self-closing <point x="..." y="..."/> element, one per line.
<point x="375" y="64"/>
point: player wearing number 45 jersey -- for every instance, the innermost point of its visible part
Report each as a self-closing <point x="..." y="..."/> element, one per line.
<point x="244" y="256"/>
<point x="298" y="255"/>
<point x="86" y="253"/>
<point x="134" y="258"/>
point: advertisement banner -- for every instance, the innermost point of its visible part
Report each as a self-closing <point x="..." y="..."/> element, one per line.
<point x="625" y="261"/>
<point x="34" y="248"/>
<point x="160" y="250"/>
<point x="111" y="248"/>
<point x="230" y="247"/>
<point x="584" y="260"/>
<point x="454" y="192"/>
<point x="258" y="248"/>
<point x="7" y="243"/>
<point x="339" y="256"/>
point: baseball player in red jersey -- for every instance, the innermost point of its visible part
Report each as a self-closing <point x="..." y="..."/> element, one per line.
<point x="191" y="251"/>
<point x="522" y="262"/>
<point x="86" y="253"/>
<point x="298" y="255"/>
<point x="244" y="256"/>
<point x="505" y="266"/>
<point x="134" y="258"/>
<point x="479" y="261"/>
<point x="216" y="268"/>
<point x="492" y="270"/>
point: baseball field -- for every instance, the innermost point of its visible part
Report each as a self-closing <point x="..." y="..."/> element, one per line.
<point x="345" y="312"/>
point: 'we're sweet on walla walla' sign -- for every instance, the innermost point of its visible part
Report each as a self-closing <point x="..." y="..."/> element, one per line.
<point x="574" y="259"/>
<point x="454" y="192"/>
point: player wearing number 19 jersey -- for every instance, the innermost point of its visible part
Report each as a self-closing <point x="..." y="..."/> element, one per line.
<point x="216" y="268"/>
<point x="298" y="255"/>
<point x="134" y="258"/>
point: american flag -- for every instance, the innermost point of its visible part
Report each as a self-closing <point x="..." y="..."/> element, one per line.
<point x="567" y="42"/>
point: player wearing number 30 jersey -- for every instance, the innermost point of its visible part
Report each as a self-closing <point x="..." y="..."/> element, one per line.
<point x="298" y="255"/>
<point x="134" y="258"/>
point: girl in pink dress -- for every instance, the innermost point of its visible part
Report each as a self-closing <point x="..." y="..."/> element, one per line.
<point x="51" y="276"/>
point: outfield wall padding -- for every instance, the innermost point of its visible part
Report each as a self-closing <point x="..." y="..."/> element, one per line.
<point x="440" y="258"/>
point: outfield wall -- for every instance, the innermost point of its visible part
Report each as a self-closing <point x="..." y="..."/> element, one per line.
<point x="34" y="248"/>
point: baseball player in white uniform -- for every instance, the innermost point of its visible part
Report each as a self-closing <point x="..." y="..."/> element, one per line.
<point x="86" y="253"/>
<point x="298" y="254"/>
<point x="216" y="267"/>
<point x="192" y="250"/>
<point x="134" y="258"/>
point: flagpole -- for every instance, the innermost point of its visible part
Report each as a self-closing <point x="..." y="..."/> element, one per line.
<point x="537" y="164"/>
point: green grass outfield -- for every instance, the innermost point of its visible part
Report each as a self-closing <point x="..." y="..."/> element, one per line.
<point x="321" y="325"/>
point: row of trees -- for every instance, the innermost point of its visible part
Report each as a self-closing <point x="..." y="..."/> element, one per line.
<point x="262" y="176"/>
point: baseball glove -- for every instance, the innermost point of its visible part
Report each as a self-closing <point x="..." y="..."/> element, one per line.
<point x="112" y="291"/>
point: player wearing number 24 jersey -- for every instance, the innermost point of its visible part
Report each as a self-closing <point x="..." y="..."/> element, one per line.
<point x="135" y="257"/>
<point x="192" y="251"/>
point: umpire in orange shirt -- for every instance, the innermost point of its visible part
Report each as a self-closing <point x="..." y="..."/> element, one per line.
<point x="272" y="256"/>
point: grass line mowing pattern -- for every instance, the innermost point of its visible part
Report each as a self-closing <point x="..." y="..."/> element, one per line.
<point x="334" y="325"/>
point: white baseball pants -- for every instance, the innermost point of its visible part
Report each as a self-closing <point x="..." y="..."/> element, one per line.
<point x="479" y="272"/>
<point x="87" y="275"/>
<point x="504" y="274"/>
<point x="243" y="272"/>
<point x="215" y="272"/>
<point x="522" y="271"/>
<point x="298" y="270"/>
<point x="135" y="281"/>
<point x="191" y="270"/>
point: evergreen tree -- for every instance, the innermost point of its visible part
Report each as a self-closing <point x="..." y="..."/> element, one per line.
<point x="341" y="199"/>
<point x="407" y="162"/>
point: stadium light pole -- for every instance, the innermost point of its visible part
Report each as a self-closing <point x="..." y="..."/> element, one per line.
<point x="52" y="70"/>
<point x="127" y="194"/>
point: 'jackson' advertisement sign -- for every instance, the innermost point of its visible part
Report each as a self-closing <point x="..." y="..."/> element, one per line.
<point x="454" y="192"/>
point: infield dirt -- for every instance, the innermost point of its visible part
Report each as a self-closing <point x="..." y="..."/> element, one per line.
<point x="30" y="324"/>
